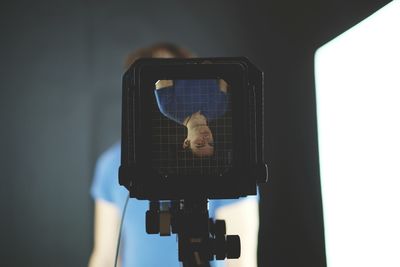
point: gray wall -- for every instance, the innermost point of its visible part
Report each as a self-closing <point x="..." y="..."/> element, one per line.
<point x="60" y="86"/>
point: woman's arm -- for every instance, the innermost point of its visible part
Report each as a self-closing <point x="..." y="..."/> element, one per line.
<point x="242" y="219"/>
<point x="106" y="225"/>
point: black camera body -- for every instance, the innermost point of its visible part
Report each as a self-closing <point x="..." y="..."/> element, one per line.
<point x="243" y="158"/>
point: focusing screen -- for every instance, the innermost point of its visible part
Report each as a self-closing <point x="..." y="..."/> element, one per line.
<point x="192" y="127"/>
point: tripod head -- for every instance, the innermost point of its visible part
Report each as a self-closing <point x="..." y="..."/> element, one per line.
<point x="192" y="130"/>
<point x="200" y="238"/>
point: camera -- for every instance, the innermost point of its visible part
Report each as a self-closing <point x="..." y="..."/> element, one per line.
<point x="192" y="130"/>
<point x="154" y="163"/>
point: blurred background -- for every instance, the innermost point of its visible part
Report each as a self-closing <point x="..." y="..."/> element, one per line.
<point x="60" y="93"/>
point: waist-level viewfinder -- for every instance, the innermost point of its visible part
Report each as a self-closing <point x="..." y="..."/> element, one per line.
<point x="192" y="130"/>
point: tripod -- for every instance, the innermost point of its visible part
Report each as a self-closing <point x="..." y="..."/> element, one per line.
<point x="200" y="239"/>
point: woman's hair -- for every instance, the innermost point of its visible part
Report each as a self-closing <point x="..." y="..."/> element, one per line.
<point x="153" y="50"/>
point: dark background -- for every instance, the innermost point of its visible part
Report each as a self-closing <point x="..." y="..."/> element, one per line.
<point x="60" y="87"/>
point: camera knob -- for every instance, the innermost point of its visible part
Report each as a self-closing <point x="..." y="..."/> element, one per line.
<point x="152" y="222"/>
<point x="232" y="246"/>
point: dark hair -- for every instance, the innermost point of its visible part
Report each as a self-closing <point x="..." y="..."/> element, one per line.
<point x="151" y="51"/>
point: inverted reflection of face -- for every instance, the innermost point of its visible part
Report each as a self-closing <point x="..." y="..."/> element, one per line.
<point x="192" y="127"/>
<point x="199" y="136"/>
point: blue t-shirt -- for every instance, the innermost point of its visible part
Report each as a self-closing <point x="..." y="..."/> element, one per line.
<point x="186" y="97"/>
<point x="138" y="248"/>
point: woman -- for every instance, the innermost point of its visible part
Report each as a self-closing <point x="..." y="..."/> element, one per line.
<point x="139" y="249"/>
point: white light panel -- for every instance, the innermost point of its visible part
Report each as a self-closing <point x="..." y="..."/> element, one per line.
<point x="358" y="107"/>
